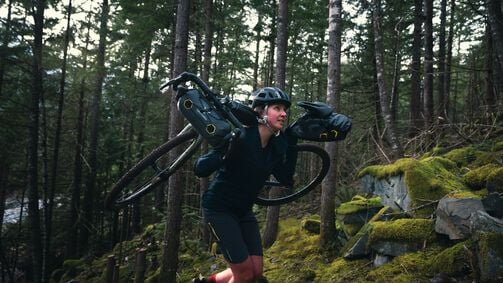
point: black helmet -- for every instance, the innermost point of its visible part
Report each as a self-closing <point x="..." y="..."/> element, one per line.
<point x="269" y="95"/>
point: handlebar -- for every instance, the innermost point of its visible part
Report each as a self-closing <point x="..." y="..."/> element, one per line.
<point x="186" y="77"/>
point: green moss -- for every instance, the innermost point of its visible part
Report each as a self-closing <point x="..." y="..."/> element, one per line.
<point x="465" y="194"/>
<point x="498" y="146"/>
<point x="452" y="260"/>
<point x="294" y="251"/>
<point x="341" y="270"/>
<point x="383" y="171"/>
<point x="351" y="229"/>
<point x="462" y="156"/>
<point x="476" y="179"/>
<point x="495" y="180"/>
<point x="411" y="267"/>
<point x="487" y="242"/>
<point x="358" y="204"/>
<point x="403" y="230"/>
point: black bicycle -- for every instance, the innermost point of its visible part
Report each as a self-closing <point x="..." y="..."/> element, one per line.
<point x="157" y="167"/>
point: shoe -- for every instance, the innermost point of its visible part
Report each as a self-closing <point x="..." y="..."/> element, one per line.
<point x="199" y="279"/>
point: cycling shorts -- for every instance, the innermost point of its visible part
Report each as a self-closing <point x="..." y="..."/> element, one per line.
<point x="237" y="236"/>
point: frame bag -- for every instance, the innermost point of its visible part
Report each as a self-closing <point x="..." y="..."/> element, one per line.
<point x="203" y="116"/>
<point x="320" y="123"/>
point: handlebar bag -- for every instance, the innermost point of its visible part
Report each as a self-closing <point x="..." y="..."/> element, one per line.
<point x="320" y="123"/>
<point x="203" y="116"/>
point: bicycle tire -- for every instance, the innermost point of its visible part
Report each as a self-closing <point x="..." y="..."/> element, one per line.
<point x="294" y="195"/>
<point x="115" y="199"/>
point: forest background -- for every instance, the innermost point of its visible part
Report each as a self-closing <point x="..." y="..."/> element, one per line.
<point x="79" y="102"/>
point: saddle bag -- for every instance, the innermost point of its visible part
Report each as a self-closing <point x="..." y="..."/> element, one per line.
<point x="320" y="123"/>
<point x="203" y="116"/>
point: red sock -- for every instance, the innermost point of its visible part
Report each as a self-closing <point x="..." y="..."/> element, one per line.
<point x="212" y="279"/>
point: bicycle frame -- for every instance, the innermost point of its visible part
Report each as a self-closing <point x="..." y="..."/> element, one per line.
<point x="188" y="134"/>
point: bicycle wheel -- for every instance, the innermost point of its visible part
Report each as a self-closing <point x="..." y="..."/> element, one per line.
<point x="308" y="155"/>
<point x="138" y="180"/>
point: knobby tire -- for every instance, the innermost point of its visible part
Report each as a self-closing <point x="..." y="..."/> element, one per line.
<point x="115" y="199"/>
<point x="325" y="165"/>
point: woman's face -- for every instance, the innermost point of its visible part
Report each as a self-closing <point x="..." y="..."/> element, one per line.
<point x="276" y="116"/>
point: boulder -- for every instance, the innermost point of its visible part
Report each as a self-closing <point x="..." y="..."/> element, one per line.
<point x="481" y="221"/>
<point x="354" y="214"/>
<point x="394" y="238"/>
<point x="357" y="246"/>
<point x="493" y="204"/>
<point x="453" y="216"/>
<point x="392" y="190"/>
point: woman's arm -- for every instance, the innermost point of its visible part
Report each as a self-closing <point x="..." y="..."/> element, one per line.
<point x="208" y="163"/>
<point x="285" y="170"/>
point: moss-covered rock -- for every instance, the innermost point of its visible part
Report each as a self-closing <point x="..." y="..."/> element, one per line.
<point x="453" y="260"/>
<point x="494" y="181"/>
<point x="463" y="156"/>
<point x="354" y="214"/>
<point x="404" y="231"/>
<point x="410" y="267"/>
<point x="427" y="180"/>
<point x="490" y="257"/>
<point x="478" y="178"/>
<point x="358" y="204"/>
<point x="311" y="225"/>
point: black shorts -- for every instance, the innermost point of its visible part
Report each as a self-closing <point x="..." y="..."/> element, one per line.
<point x="237" y="236"/>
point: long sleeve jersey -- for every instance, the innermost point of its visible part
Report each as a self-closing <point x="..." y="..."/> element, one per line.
<point x="239" y="178"/>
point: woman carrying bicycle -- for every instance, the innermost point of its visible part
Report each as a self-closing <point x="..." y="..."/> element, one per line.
<point x="261" y="150"/>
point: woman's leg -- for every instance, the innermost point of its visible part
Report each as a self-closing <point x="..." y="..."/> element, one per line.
<point x="237" y="273"/>
<point x="248" y="271"/>
<point x="258" y="266"/>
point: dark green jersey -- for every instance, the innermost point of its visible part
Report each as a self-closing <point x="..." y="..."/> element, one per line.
<point x="240" y="177"/>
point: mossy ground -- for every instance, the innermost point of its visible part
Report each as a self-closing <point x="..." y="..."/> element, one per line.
<point x="296" y="257"/>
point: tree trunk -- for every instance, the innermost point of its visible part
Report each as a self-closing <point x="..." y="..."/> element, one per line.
<point x="391" y="135"/>
<point x="490" y="99"/>
<point x="272" y="218"/>
<point x="415" y="76"/>
<point x="328" y="232"/>
<point x="57" y="140"/>
<point x="175" y="183"/>
<point x="428" y="64"/>
<point x="72" y="248"/>
<point x="208" y="44"/>
<point x="396" y="73"/>
<point x="5" y="44"/>
<point x="494" y="16"/>
<point x="258" y="38"/>
<point x="90" y="194"/>
<point x="442" y="102"/>
<point x="33" y="197"/>
<point x="448" y="60"/>
<point x="269" y="74"/>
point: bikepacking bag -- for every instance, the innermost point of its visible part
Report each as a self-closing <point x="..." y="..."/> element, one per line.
<point x="320" y="123"/>
<point x="203" y="116"/>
